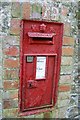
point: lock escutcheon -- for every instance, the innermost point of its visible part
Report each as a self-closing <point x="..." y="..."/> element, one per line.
<point x="31" y="84"/>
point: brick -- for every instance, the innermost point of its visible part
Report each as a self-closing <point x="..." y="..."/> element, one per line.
<point x="10" y="94"/>
<point x="66" y="70"/>
<point x="36" y="11"/>
<point x="64" y="88"/>
<point x="67" y="29"/>
<point x="11" y="51"/>
<point x="67" y="51"/>
<point x="10" y="113"/>
<point x="6" y="104"/>
<point x="65" y="79"/>
<point x="11" y="103"/>
<point x="66" y="61"/>
<point x="68" y="40"/>
<point x="15" y="26"/>
<point x="10" y="84"/>
<point x="64" y="10"/>
<point x="10" y="40"/>
<point x="16" y="12"/>
<point x="11" y="63"/>
<point x="47" y="115"/>
<point x="25" y="10"/>
<point x="11" y="74"/>
<point x="13" y="94"/>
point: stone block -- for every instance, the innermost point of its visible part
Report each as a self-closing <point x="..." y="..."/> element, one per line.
<point x="63" y="103"/>
<point x="39" y="116"/>
<point x="66" y="70"/>
<point x="66" y="79"/>
<point x="1" y="95"/>
<point x="1" y="85"/>
<point x="62" y="112"/>
<point x="66" y="61"/>
<point x="10" y="113"/>
<point x="10" y="41"/>
<point x="55" y="113"/>
<point x="64" y="95"/>
<point x="16" y="10"/>
<point x="10" y="94"/>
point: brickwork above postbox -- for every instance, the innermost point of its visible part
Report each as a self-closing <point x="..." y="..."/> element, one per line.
<point x="41" y="44"/>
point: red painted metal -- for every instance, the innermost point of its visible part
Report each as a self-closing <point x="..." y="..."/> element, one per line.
<point x="40" y="35"/>
<point x="40" y="42"/>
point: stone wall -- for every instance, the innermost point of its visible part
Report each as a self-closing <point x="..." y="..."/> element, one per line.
<point x="11" y="15"/>
<point x="74" y="106"/>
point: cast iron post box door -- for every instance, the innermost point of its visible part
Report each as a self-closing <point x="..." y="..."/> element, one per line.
<point x="41" y="44"/>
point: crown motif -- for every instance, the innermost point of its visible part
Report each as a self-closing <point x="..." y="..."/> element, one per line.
<point x="42" y="27"/>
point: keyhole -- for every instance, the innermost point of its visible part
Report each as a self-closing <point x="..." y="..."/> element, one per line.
<point x="30" y="85"/>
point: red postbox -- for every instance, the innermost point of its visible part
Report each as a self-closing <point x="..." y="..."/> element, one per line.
<point x="41" y="46"/>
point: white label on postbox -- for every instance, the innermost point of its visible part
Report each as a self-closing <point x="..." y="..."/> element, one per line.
<point x="40" y="67"/>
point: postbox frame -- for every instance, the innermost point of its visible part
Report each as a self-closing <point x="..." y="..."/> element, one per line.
<point x="34" y="111"/>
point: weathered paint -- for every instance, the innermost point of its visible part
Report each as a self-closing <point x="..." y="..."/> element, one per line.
<point x="37" y="94"/>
